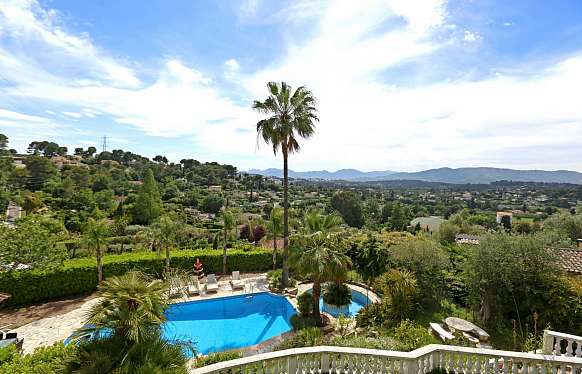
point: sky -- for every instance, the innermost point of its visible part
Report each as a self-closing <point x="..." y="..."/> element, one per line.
<point x="401" y="85"/>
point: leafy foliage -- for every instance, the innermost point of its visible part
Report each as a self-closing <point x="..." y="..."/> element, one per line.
<point x="30" y="243"/>
<point x="47" y="359"/>
<point x="79" y="276"/>
<point x="217" y="357"/>
<point x="337" y="294"/>
<point x="148" y="205"/>
<point x="349" y="205"/>
<point x="125" y="333"/>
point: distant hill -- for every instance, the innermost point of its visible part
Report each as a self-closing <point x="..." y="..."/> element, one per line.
<point x="477" y="175"/>
<point x="343" y="174"/>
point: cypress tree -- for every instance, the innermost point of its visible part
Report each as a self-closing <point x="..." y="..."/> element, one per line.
<point x="148" y="205"/>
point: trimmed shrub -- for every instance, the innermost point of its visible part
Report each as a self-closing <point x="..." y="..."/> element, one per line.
<point x="337" y="294"/>
<point x="214" y="358"/>
<point x="308" y="337"/>
<point x="305" y="303"/>
<point x="78" y="276"/>
<point x="299" y="322"/>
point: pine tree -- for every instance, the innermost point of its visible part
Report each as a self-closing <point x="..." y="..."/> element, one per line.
<point x="148" y="205"/>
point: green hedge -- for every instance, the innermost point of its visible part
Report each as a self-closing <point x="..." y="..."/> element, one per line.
<point x="79" y="276"/>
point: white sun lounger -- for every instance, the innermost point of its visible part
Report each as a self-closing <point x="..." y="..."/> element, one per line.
<point x="211" y="283"/>
<point x="236" y="282"/>
<point x="194" y="287"/>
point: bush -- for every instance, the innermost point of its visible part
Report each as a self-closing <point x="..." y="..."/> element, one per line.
<point x="42" y="360"/>
<point x="214" y="358"/>
<point x="337" y="294"/>
<point x="376" y="342"/>
<point x="305" y="303"/>
<point x="308" y="337"/>
<point x="79" y="276"/>
<point x="374" y="314"/>
<point x="411" y="336"/>
<point x="299" y="322"/>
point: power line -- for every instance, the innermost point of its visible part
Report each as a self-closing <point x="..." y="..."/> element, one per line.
<point x="104" y="143"/>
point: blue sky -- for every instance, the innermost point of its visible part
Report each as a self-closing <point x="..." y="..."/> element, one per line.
<point x="401" y="84"/>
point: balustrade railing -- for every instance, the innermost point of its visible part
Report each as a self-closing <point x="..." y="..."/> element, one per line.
<point x="341" y="360"/>
<point x="560" y="344"/>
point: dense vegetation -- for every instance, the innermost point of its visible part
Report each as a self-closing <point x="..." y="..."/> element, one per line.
<point x="91" y="219"/>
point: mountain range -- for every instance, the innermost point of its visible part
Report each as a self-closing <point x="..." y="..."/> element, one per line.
<point x="473" y="175"/>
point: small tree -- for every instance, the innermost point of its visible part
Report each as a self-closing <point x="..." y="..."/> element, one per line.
<point x="320" y="258"/>
<point x="168" y="229"/>
<point x="148" y="205"/>
<point x="95" y="235"/>
<point x="29" y="243"/>
<point x="228" y="223"/>
<point x="275" y="227"/>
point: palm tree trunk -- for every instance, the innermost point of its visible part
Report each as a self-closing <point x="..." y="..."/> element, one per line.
<point x="316" y="292"/>
<point x="167" y="257"/>
<point x="99" y="264"/>
<point x="285" y="275"/>
<point x="224" y="254"/>
<point x="274" y="252"/>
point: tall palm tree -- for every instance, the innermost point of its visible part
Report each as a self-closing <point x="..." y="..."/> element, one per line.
<point x="228" y="223"/>
<point x="290" y="116"/>
<point x="319" y="257"/>
<point x="167" y="228"/>
<point x="275" y="227"/>
<point x="95" y="233"/>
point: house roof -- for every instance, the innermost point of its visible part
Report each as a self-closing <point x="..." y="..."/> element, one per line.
<point x="570" y="260"/>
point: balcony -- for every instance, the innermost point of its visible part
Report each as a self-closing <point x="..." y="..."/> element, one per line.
<point x="562" y="354"/>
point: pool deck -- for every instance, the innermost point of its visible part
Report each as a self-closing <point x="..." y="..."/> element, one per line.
<point x="47" y="331"/>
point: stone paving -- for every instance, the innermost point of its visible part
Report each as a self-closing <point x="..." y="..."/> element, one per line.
<point x="47" y="331"/>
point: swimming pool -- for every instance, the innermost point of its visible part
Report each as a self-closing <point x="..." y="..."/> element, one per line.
<point x="225" y="323"/>
<point x="359" y="300"/>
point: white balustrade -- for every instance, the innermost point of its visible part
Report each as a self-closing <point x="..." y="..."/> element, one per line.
<point x="341" y="360"/>
<point x="558" y="343"/>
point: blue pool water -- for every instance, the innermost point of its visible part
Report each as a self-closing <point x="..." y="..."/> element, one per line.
<point x="229" y="322"/>
<point x="359" y="300"/>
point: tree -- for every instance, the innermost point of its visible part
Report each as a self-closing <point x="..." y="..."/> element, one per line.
<point x="131" y="309"/>
<point x="319" y="257"/>
<point x="427" y="260"/>
<point x="212" y="203"/>
<point x="30" y="243"/>
<point x="228" y="224"/>
<point x="314" y="221"/>
<point x="168" y="229"/>
<point x="95" y="233"/>
<point x="3" y="142"/>
<point x="148" y="205"/>
<point x="511" y="276"/>
<point x="40" y="170"/>
<point x="290" y="116"/>
<point x="349" y="205"/>
<point x="275" y="227"/>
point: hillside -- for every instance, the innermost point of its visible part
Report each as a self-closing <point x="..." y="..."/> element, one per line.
<point x="477" y="175"/>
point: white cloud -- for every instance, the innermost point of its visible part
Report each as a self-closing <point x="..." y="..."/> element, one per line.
<point x="11" y="115"/>
<point x="366" y="121"/>
<point x="72" y="114"/>
<point x="231" y="68"/>
<point x="471" y="36"/>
